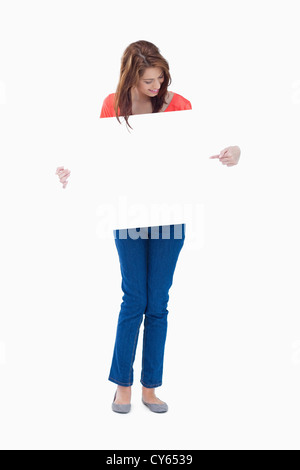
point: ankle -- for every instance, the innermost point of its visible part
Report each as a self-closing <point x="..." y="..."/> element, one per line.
<point x="123" y="395"/>
<point x="124" y="390"/>
<point x="148" y="391"/>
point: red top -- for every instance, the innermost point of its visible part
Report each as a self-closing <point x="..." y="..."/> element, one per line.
<point x="178" y="103"/>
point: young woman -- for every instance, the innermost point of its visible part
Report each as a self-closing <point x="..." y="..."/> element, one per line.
<point x="147" y="255"/>
<point x="143" y="85"/>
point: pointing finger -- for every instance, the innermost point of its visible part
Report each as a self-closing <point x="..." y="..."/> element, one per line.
<point x="222" y="153"/>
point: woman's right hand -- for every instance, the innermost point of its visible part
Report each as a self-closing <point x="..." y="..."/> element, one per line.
<point x="63" y="175"/>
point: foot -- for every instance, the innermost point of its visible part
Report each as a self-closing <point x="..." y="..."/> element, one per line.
<point x="123" y="396"/>
<point x="150" y="397"/>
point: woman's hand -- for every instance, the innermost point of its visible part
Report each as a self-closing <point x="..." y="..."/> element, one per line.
<point x="229" y="156"/>
<point x="63" y="175"/>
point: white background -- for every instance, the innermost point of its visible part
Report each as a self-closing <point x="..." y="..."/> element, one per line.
<point x="232" y="361"/>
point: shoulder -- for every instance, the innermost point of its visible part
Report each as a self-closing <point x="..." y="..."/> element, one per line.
<point x="108" y="106"/>
<point x="109" y="99"/>
<point x="180" y="102"/>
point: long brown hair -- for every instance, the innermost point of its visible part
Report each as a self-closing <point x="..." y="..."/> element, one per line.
<point x="136" y="58"/>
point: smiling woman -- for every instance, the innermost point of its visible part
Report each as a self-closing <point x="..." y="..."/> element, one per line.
<point x="148" y="255"/>
<point x="143" y="85"/>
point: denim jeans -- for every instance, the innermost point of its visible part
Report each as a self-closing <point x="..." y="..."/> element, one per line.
<point x="148" y="257"/>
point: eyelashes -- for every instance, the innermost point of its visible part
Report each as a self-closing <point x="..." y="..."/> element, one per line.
<point x="148" y="83"/>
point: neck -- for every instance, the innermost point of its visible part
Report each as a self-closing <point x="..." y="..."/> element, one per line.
<point x="140" y="97"/>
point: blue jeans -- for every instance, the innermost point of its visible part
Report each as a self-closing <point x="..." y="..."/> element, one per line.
<point x="148" y="257"/>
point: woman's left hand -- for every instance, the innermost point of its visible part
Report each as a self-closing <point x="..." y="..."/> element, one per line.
<point x="229" y="156"/>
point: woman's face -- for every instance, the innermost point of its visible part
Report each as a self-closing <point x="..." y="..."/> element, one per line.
<point x="150" y="83"/>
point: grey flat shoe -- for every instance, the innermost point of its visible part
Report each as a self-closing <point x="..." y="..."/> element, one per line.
<point x="120" y="408"/>
<point x="157" y="407"/>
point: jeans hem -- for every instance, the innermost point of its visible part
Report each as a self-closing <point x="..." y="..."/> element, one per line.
<point x="118" y="382"/>
<point x="150" y="386"/>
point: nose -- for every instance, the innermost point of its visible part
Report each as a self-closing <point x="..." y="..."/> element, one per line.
<point x="156" y="86"/>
